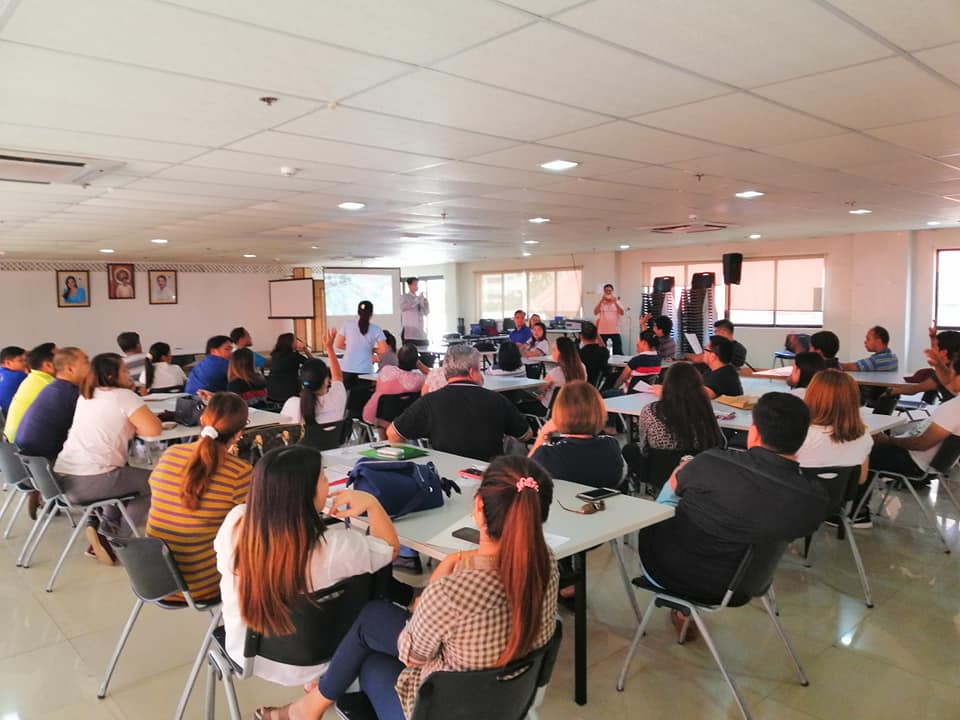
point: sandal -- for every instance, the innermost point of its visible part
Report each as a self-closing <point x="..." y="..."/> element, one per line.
<point x="272" y="713"/>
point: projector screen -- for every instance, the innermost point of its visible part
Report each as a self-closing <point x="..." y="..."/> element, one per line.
<point x="292" y="298"/>
<point x="345" y="288"/>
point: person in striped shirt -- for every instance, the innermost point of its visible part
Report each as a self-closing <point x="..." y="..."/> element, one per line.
<point x="645" y="365"/>
<point x="882" y="359"/>
<point x="194" y="486"/>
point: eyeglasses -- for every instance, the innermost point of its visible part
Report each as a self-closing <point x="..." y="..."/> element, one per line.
<point x="710" y="350"/>
<point x="587" y="508"/>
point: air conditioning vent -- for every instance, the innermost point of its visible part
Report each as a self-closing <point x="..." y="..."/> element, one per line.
<point x="38" y="169"/>
<point x="688" y="228"/>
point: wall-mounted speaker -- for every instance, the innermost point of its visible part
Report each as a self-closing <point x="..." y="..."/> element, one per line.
<point x="732" y="265"/>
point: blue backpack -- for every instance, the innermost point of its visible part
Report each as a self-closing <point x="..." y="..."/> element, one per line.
<point x="401" y="486"/>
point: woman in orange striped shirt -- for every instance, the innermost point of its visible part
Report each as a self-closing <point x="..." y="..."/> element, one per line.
<point x="194" y="486"/>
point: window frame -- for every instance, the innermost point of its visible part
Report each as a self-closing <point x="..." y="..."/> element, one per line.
<point x="526" y="272"/>
<point x="936" y="290"/>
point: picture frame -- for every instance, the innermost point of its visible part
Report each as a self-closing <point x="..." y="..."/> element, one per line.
<point x="162" y="287"/>
<point x="121" y="281"/>
<point x="73" y="288"/>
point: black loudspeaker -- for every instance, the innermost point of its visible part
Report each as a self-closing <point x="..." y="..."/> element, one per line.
<point x="702" y="281"/>
<point x="663" y="284"/>
<point x="732" y="264"/>
<point x="461" y="326"/>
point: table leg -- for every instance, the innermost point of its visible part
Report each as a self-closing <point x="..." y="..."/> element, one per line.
<point x="634" y="428"/>
<point x="617" y="547"/>
<point x="580" y="630"/>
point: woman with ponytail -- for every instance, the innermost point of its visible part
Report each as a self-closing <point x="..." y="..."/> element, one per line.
<point x="194" y="486"/>
<point x="482" y="608"/>
<point x="322" y="398"/>
<point x="159" y="373"/>
<point x="360" y="339"/>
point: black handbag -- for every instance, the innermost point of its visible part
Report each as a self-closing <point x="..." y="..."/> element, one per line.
<point x="188" y="410"/>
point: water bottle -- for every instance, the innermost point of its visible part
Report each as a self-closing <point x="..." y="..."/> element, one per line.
<point x="609" y="346"/>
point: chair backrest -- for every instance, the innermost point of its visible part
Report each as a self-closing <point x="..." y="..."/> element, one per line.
<point x="755" y="574"/>
<point x="320" y="621"/>
<point x="390" y="407"/>
<point x="505" y="693"/>
<point x="11" y="465"/>
<point x="947" y="455"/>
<point x="327" y="436"/>
<point x="150" y="567"/>
<point x="659" y="465"/>
<point x="357" y="397"/>
<point x="839" y="482"/>
<point x="42" y="476"/>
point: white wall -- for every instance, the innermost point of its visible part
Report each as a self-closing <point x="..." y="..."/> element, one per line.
<point x="209" y="304"/>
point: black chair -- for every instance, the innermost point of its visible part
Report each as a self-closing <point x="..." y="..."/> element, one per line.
<point x="752" y="579"/>
<point x="154" y="576"/>
<point x="327" y="436"/>
<point x="357" y="398"/>
<point x="16" y="483"/>
<point x="841" y="484"/>
<point x="505" y="693"/>
<point x="389" y="408"/>
<point x="651" y="467"/>
<point x="320" y="622"/>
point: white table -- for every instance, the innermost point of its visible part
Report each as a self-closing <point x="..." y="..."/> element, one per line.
<point x="501" y="383"/>
<point x="877" y="379"/>
<point x="256" y="418"/>
<point x="623" y="515"/>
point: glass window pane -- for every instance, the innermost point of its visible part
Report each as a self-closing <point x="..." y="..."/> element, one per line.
<point x="491" y="296"/>
<point x="796" y="317"/>
<point x="755" y="291"/>
<point x="948" y="289"/>
<point x="541" y="289"/>
<point x="800" y="284"/>
<point x="677" y="272"/>
<point x="514" y="294"/>
<point x="569" y="292"/>
<point x="751" y="317"/>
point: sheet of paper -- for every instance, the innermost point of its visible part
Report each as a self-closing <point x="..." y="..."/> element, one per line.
<point x="643" y="386"/>
<point x="445" y="538"/>
<point x="694" y="343"/>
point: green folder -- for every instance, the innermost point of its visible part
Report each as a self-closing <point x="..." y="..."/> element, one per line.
<point x="408" y="453"/>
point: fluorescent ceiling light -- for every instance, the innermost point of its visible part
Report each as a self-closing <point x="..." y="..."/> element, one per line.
<point x="756" y="236"/>
<point x="352" y="205"/>
<point x="314" y="247"/>
<point x="159" y="241"/>
<point x="526" y="254"/>
<point x="531" y="242"/>
<point x="747" y="194"/>
<point x="860" y="211"/>
<point x="106" y="250"/>
<point x="933" y="222"/>
<point x="559" y="165"/>
<point x="249" y="255"/>
<point x="539" y="220"/>
<point x="624" y="247"/>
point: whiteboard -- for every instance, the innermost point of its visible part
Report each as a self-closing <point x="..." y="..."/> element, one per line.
<point x="292" y="298"/>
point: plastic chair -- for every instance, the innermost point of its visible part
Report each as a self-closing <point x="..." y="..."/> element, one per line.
<point x="505" y="693"/>
<point x="327" y="436"/>
<point x="653" y="467"/>
<point x="154" y="576"/>
<point x="752" y="579"/>
<point x="16" y="482"/>
<point x="841" y="484"/>
<point x="320" y="623"/>
<point x="46" y="482"/>
<point x="389" y="408"/>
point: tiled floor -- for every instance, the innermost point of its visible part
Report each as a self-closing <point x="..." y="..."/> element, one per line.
<point x="898" y="660"/>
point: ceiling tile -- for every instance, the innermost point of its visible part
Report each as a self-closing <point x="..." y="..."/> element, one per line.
<point x="67" y="142"/>
<point x="910" y="172"/>
<point x="839" y="151"/>
<point x="945" y="60"/>
<point x="739" y="120"/>
<point x="938" y="137"/>
<point x="192" y="173"/>
<point x="484" y="174"/>
<point x="369" y="128"/>
<point x="911" y="25"/>
<point x="530" y="156"/>
<point x="558" y="64"/>
<point x="886" y="92"/>
<point x="196" y="188"/>
<point x="544" y="8"/>
<point x="668" y="178"/>
<point x="52" y="90"/>
<point x="628" y="140"/>
<point x="271" y="164"/>
<point x="415" y="31"/>
<point x="434" y="97"/>
<point x="743" y="42"/>
<point x="755" y="168"/>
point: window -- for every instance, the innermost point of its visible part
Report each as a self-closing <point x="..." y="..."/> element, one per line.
<point x="546" y="292"/>
<point x="948" y="290"/>
<point x="778" y="292"/>
<point x="434" y="288"/>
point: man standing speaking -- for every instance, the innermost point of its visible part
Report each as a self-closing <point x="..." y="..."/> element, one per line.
<point x="413" y="309"/>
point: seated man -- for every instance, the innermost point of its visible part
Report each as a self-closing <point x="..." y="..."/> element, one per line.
<point x="727" y="500"/>
<point x="593" y="353"/>
<point x="724" y="329"/>
<point x="133" y="355"/>
<point x="210" y="373"/>
<point x="240" y="338"/>
<point x="945" y="350"/>
<point x="462" y="417"/>
<point x="662" y="327"/>
<point x="877" y="341"/>
<point x="827" y="344"/>
<point x="47" y="421"/>
<point x="522" y="333"/>
<point x="13" y="371"/>
<point x="722" y="377"/>
<point x="40" y="360"/>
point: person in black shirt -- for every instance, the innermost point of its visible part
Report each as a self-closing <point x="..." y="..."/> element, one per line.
<point x="724" y="328"/>
<point x="727" y="500"/>
<point x="722" y="377"/>
<point x="827" y="344"/>
<point x="461" y="418"/>
<point x="593" y="353"/>
<point x="285" y="361"/>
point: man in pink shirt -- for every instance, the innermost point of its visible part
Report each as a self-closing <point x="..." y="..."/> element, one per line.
<point x="608" y="312"/>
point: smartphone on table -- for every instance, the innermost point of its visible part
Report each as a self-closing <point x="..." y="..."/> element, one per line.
<point x="469" y="534"/>
<point x="598" y="494"/>
<point x="471" y="473"/>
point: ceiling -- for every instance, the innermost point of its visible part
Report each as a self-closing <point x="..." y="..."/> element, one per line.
<point x="438" y="114"/>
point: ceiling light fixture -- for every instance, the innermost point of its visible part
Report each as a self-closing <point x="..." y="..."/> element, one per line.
<point x="527" y="254"/>
<point x="314" y="247"/>
<point x="860" y="211"/>
<point x="559" y="165"/>
<point x="933" y="222"/>
<point x="106" y="250"/>
<point x="531" y="242"/>
<point x="624" y="247"/>
<point x="747" y="194"/>
<point x="539" y="220"/>
<point x="159" y="241"/>
<point x="249" y="255"/>
<point x="756" y="236"/>
<point x="351" y="205"/>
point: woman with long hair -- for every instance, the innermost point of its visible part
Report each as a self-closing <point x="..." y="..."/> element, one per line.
<point x="159" y="373"/>
<point x="509" y="362"/>
<point x="322" y="398"/>
<point x="194" y="486"/>
<point x="285" y="362"/>
<point x="93" y="462"/>
<point x="276" y="548"/>
<point x="72" y="292"/>
<point x="645" y="365"/>
<point x="404" y="377"/>
<point x="244" y="379"/>
<point x="360" y="339"/>
<point x="538" y="345"/>
<point x="510" y="582"/>
<point x="805" y="366"/>
<point x="568" y="367"/>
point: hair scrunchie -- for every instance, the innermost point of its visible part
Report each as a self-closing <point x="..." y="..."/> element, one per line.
<point x="209" y="432"/>
<point x="527" y="482"/>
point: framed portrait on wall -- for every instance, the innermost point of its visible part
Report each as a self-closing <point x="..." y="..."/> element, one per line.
<point x="120" y="281"/>
<point x="73" y="288"/>
<point x="163" y="287"/>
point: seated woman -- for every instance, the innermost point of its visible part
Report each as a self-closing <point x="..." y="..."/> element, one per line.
<point x="945" y="350"/>
<point x="404" y="377"/>
<point x="805" y="366"/>
<point x="159" y="374"/>
<point x="244" y="379"/>
<point x="194" y="486"/>
<point x="388" y="358"/>
<point x="645" y="365"/>
<point x="509" y="362"/>
<point x="322" y="398"/>
<point x="262" y="582"/>
<point x="569" y="367"/>
<point x="93" y="462"/>
<point x="538" y="345"/>
<point x="482" y="608"/>
<point x="285" y="362"/>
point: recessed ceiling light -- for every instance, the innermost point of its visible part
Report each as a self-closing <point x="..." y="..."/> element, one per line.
<point x="933" y="222"/>
<point x="531" y="242"/>
<point x="249" y="255"/>
<point x="526" y="254"/>
<point x="747" y="194"/>
<point x="624" y="247"/>
<point x="755" y="236"/>
<point x="314" y="247"/>
<point x="159" y="241"/>
<point x="106" y="250"/>
<point x="539" y="220"/>
<point x="559" y="165"/>
<point x="352" y="205"/>
<point x="860" y="211"/>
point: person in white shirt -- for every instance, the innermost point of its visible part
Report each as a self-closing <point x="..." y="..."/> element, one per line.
<point x="133" y="355"/>
<point x="163" y="293"/>
<point x="261" y="582"/>
<point x="323" y="397"/>
<point x="93" y="462"/>
<point x="568" y="367"/>
<point x="159" y="374"/>
<point x="360" y="339"/>
<point x="413" y="309"/>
